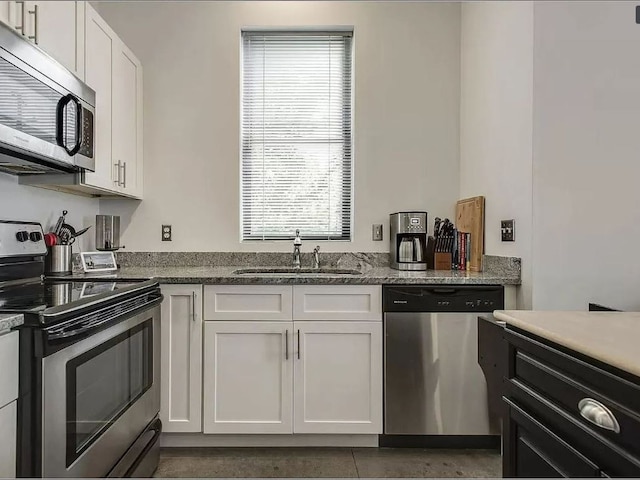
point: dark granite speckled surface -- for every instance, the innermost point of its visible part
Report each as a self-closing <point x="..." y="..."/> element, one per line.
<point x="371" y="276"/>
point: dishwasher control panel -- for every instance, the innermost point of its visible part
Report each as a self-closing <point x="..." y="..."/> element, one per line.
<point x="442" y="298"/>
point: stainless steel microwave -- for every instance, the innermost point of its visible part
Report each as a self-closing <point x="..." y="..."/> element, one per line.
<point x="46" y="113"/>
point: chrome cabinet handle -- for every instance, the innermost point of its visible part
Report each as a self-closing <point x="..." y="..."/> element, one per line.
<point x="286" y="344"/>
<point x="596" y="413"/>
<point x="193" y="306"/>
<point x="124" y="176"/>
<point x="33" y="12"/>
<point x="21" y="28"/>
<point x="298" y="344"/>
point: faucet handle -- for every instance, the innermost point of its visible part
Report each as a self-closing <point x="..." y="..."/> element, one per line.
<point x="297" y="240"/>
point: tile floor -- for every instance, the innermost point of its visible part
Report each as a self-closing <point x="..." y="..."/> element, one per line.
<point x="327" y="462"/>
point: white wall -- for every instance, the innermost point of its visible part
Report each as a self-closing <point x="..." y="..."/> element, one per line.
<point x="20" y="202"/>
<point x="496" y="123"/>
<point x="586" y="223"/>
<point x="406" y="132"/>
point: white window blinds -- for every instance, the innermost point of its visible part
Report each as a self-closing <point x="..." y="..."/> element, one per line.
<point x="296" y="135"/>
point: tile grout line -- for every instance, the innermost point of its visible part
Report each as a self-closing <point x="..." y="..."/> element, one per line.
<point x="355" y="463"/>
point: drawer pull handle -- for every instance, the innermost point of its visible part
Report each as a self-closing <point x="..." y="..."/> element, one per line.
<point x="596" y="413"/>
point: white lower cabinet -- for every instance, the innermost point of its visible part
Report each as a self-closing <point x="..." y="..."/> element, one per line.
<point x="181" y="344"/>
<point x="8" y="420"/>
<point x="265" y="371"/>
<point x="8" y="396"/>
<point x="248" y="377"/>
<point x="338" y="377"/>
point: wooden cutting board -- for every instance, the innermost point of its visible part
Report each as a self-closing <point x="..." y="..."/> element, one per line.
<point x="470" y="219"/>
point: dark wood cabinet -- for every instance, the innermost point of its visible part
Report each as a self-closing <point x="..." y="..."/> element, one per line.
<point x="563" y="414"/>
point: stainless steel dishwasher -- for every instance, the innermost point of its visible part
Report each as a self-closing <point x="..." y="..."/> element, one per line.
<point x="435" y="393"/>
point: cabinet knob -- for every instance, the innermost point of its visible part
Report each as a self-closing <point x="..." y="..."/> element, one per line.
<point x="596" y="413"/>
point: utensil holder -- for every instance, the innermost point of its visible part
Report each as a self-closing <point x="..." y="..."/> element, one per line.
<point x="442" y="260"/>
<point x="58" y="260"/>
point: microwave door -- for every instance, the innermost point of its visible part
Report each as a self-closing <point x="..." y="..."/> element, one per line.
<point x="69" y="124"/>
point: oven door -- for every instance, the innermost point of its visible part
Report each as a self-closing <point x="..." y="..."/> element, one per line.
<point x="99" y="395"/>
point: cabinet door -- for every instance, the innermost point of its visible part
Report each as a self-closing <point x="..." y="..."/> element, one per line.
<point x="8" y="419"/>
<point x="98" y="74"/>
<point x="7" y="13"/>
<point x="181" y="365"/>
<point x="55" y="27"/>
<point x="127" y="115"/>
<point x="338" y="377"/>
<point x="248" y="377"/>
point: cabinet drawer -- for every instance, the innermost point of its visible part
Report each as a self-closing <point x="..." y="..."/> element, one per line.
<point x="610" y="457"/>
<point x="571" y="383"/>
<point x="9" y="370"/>
<point x="248" y="302"/>
<point x="340" y="302"/>
<point x="541" y="453"/>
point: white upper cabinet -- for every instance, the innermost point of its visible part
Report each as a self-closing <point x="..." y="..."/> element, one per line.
<point x="127" y="115"/>
<point x="6" y="13"/>
<point x="99" y="41"/>
<point x="115" y="74"/>
<point x="58" y="28"/>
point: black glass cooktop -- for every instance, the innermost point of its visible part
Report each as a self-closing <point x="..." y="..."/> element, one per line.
<point x="38" y="296"/>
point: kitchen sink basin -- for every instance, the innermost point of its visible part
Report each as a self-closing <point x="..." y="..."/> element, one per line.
<point x="281" y="271"/>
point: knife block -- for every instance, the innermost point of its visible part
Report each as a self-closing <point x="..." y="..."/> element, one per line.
<point x="442" y="260"/>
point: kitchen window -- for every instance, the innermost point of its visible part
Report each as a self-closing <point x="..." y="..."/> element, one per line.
<point x="296" y="135"/>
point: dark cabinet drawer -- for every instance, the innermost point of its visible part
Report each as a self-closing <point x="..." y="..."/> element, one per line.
<point x="586" y="405"/>
<point x="610" y="457"/>
<point x="567" y="414"/>
<point x="540" y="453"/>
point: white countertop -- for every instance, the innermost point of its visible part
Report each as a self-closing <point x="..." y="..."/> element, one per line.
<point x="611" y="337"/>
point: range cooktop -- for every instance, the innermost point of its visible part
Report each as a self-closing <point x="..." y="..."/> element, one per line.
<point x="40" y="298"/>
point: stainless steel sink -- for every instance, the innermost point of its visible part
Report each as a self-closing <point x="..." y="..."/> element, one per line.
<point x="282" y="271"/>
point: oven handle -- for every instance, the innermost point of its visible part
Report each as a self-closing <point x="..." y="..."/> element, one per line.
<point x="62" y="103"/>
<point x="66" y="335"/>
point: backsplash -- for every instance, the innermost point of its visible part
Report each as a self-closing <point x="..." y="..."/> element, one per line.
<point x="357" y="260"/>
<point x="266" y="259"/>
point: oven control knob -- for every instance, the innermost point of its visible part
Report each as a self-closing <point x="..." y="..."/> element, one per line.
<point x="35" y="236"/>
<point x="22" y="236"/>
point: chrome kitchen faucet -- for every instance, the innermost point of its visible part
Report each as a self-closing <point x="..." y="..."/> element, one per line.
<point x="297" y="243"/>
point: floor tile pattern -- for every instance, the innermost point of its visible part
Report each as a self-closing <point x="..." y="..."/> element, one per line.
<point x="327" y="463"/>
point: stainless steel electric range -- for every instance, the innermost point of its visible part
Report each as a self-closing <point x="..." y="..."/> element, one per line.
<point x="89" y="385"/>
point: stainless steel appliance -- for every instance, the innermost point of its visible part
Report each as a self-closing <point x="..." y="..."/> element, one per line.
<point x="408" y="239"/>
<point x="107" y="232"/>
<point x="89" y="387"/>
<point x="46" y="113"/>
<point x="435" y="393"/>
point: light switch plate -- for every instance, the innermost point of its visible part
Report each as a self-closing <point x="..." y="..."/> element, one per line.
<point x="166" y="233"/>
<point x="508" y="230"/>
<point x="376" y="232"/>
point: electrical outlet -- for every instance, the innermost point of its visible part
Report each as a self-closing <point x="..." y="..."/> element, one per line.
<point x="508" y="230"/>
<point x="376" y="232"/>
<point x="166" y="233"/>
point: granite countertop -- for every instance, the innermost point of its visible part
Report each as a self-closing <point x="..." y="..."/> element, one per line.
<point x="370" y="276"/>
<point x="10" y="320"/>
<point x="611" y="337"/>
